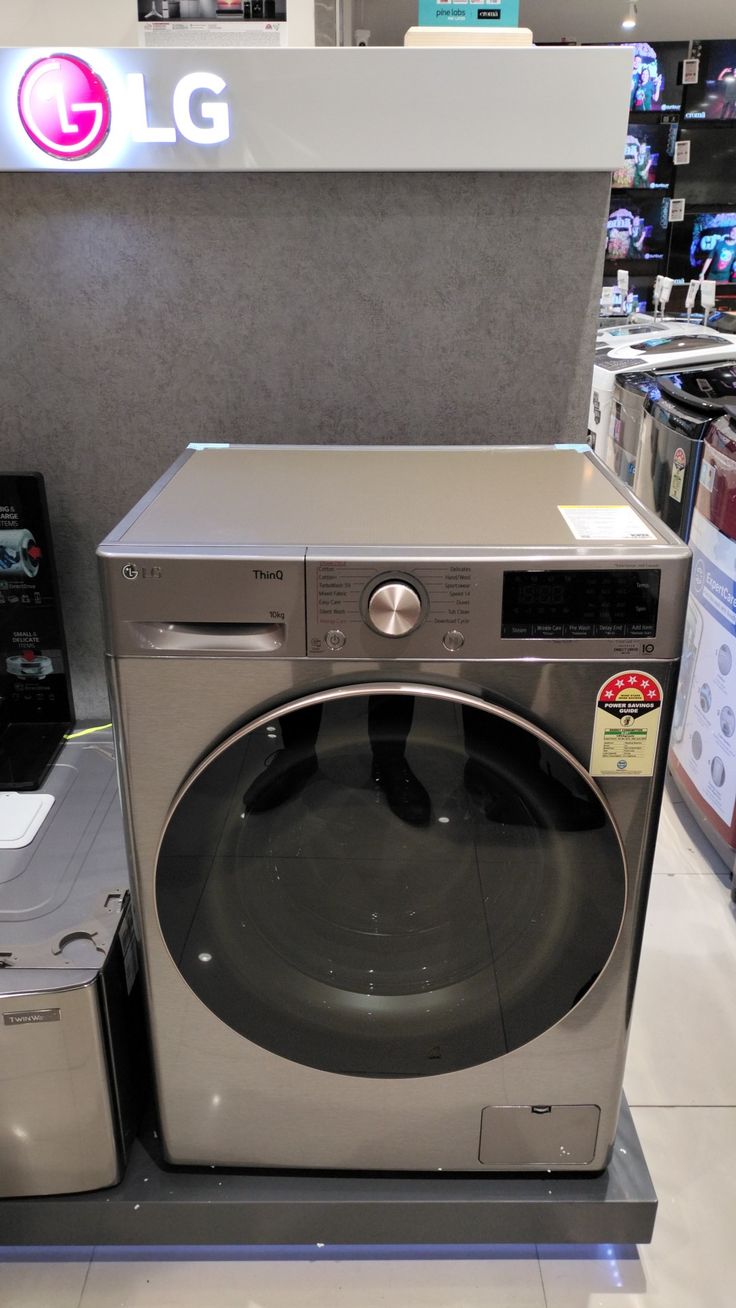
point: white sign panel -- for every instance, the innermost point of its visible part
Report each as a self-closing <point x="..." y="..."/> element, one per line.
<point x="200" y="23"/>
<point x="311" y="110"/>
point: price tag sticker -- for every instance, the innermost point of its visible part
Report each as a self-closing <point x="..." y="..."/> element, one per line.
<point x="682" y="152"/>
<point x="677" y="211"/>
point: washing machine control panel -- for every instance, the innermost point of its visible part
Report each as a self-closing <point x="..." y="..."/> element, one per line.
<point x="363" y="608"/>
<point x="486" y="608"/>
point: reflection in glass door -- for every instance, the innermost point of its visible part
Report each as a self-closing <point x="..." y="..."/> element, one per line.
<point x="390" y="881"/>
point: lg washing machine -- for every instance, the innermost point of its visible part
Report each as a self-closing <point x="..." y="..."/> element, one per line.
<point x="392" y="726"/>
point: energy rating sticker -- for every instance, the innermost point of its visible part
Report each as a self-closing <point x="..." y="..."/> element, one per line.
<point x="677" y="480"/>
<point x="627" y="718"/>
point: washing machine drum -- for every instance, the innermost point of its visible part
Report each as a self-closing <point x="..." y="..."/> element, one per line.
<point x="390" y="881"/>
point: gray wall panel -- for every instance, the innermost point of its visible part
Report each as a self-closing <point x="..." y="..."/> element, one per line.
<point x="142" y="311"/>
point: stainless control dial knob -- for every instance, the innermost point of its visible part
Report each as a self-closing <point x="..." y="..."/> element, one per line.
<point x="394" y="608"/>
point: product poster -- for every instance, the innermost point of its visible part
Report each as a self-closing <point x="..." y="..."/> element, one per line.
<point x="704" y="728"/>
<point x="200" y="23"/>
<point x="35" y="699"/>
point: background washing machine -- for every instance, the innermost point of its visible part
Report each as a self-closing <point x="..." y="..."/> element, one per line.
<point x="665" y="351"/>
<point x="627" y="413"/>
<point x="71" y="1031"/>
<point x="623" y="333"/>
<point x="392" y="729"/>
<point x="675" y="419"/>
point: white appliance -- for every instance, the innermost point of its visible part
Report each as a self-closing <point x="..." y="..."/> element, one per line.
<point x="624" y="333"/>
<point x="671" y="349"/>
<point x="71" y="1071"/>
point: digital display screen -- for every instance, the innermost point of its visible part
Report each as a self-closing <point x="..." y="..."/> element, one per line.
<point x="704" y="245"/>
<point x="35" y="692"/>
<point x="581" y="605"/>
<point x="714" y="98"/>
<point x="637" y="231"/>
<point x="710" y="177"/>
<point x="648" y="158"/>
<point x="654" y="77"/>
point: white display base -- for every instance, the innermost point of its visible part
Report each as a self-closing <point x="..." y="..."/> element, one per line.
<point x="453" y="38"/>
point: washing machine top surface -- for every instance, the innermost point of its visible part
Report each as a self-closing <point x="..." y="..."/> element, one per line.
<point x="704" y="391"/>
<point x="665" y="350"/>
<point x="613" y="337"/>
<point x="423" y="498"/>
<point x="60" y="895"/>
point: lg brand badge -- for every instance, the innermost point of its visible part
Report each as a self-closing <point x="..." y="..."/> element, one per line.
<point x="64" y="107"/>
<point x="67" y="111"/>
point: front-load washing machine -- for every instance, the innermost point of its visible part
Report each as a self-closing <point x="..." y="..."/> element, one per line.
<point x="392" y="727"/>
<point x="672" y="348"/>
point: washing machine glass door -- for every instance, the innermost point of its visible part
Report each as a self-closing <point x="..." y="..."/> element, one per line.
<point x="390" y="880"/>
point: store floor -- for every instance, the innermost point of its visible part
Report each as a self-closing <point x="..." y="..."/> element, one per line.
<point x="681" y="1084"/>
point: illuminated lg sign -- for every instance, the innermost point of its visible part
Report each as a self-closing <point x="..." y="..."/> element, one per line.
<point x="66" y="109"/>
<point x="215" y="115"/>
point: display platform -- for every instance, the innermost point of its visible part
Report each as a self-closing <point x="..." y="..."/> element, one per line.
<point x="160" y="1205"/>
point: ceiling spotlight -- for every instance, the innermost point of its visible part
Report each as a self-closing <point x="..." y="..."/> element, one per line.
<point x="630" y="19"/>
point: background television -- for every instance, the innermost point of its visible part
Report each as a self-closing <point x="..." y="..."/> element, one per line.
<point x="648" y="160"/>
<point x="714" y="98"/>
<point x="636" y="232"/>
<point x="710" y="177"/>
<point x="655" y="85"/>
<point x="698" y="238"/>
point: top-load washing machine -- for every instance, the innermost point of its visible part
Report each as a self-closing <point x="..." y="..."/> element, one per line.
<point x="392" y="727"/>
<point x="630" y="394"/>
<point x="623" y="333"/>
<point x="675" y="419"/>
<point x="669" y="349"/>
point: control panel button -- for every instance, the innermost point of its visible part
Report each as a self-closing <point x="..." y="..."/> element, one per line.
<point x="394" y="609"/>
<point x="453" y="640"/>
<point x="335" y="639"/>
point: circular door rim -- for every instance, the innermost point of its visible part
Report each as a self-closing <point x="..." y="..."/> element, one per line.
<point x="420" y="690"/>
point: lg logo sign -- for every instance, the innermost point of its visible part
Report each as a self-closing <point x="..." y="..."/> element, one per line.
<point x="66" y="109"/>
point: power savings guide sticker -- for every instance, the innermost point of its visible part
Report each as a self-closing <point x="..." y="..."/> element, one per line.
<point x="627" y="717"/>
